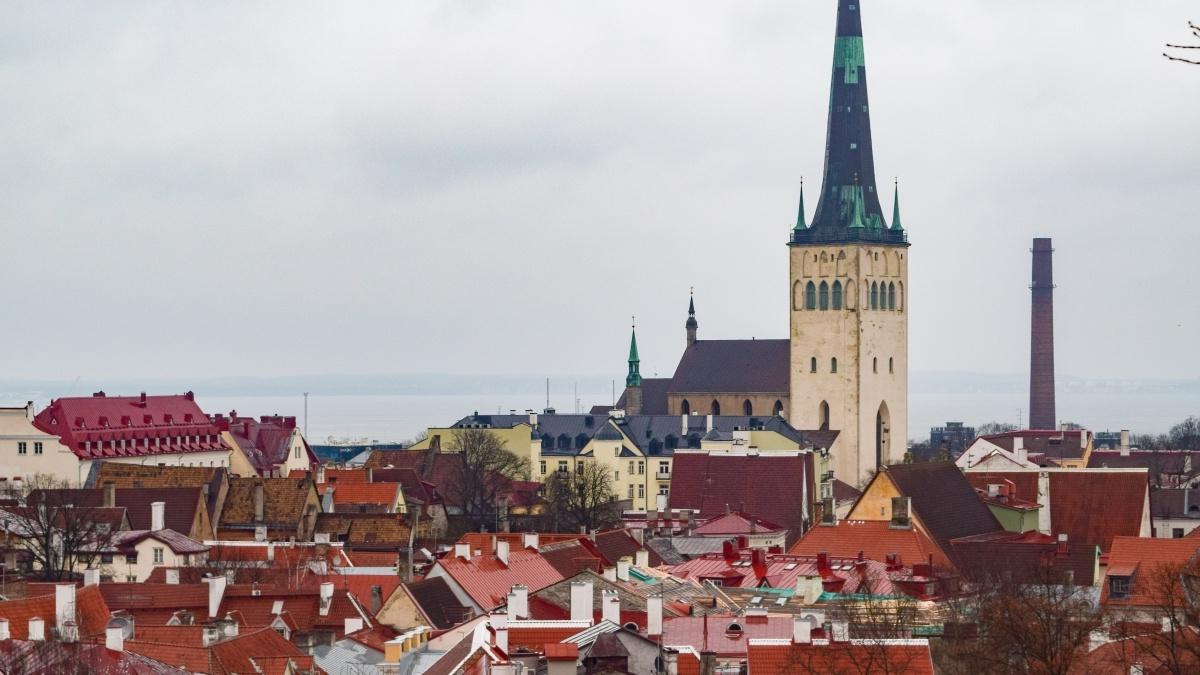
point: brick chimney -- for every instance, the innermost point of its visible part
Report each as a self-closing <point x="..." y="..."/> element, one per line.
<point x="1041" y="352"/>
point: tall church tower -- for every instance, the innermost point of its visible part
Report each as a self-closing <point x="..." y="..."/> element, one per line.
<point x="849" y="279"/>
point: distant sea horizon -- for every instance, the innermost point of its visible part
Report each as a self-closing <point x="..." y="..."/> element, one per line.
<point x="380" y="409"/>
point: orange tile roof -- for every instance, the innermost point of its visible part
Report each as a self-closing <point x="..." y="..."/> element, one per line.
<point x="874" y="538"/>
<point x="91" y="612"/>
<point x="387" y="494"/>
<point x="910" y="657"/>
<point x="1147" y="558"/>
<point x="536" y="639"/>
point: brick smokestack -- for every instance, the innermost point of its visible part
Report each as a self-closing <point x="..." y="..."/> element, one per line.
<point x="1041" y="349"/>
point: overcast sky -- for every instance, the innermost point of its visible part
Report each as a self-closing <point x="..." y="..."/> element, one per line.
<point x="469" y="187"/>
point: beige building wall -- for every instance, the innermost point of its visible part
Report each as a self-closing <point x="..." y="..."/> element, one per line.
<point x="26" y="451"/>
<point x="867" y="396"/>
<point x="122" y="570"/>
<point x="731" y="403"/>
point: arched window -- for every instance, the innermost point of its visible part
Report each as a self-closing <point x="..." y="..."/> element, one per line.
<point x="900" y="300"/>
<point x="747" y="408"/>
<point x="812" y="366"/>
<point x="779" y="408"/>
<point x="891" y="365"/>
<point x="875" y="365"/>
<point x="824" y="295"/>
<point x="716" y="407"/>
<point x="891" y="296"/>
<point x="685" y="407"/>
<point x="874" y="295"/>
<point x="823" y="416"/>
<point x="833" y="365"/>
<point x="810" y="296"/>
<point x="837" y="295"/>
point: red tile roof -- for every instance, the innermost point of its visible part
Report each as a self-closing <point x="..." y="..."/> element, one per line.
<point x="100" y="426"/>
<point x="91" y="612"/>
<point x="182" y="503"/>
<point x="1156" y="653"/>
<point x="737" y="522"/>
<point x="900" y="656"/>
<point x="613" y="545"/>
<point x="56" y="658"/>
<point x="1050" y="443"/>
<point x="572" y="557"/>
<point x="769" y="486"/>
<point x="338" y="476"/>
<point x="487" y="580"/>
<point x="536" y="636"/>
<point x="385" y="494"/>
<point x="561" y="652"/>
<point x="266" y="441"/>
<point x="1149" y="560"/>
<point x="875" y="539"/>
<point x="1074" y="508"/>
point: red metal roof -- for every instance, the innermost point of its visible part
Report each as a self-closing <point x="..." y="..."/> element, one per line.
<point x="715" y="632"/>
<point x="487" y="580"/>
<point x="91" y="612"/>
<point x="737" y="522"/>
<point x="875" y="539"/>
<point x="102" y="426"/>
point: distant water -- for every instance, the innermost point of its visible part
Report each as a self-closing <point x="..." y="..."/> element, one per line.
<point x="398" y="417"/>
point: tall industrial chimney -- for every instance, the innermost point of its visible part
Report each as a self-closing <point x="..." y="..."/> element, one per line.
<point x="1041" y="347"/>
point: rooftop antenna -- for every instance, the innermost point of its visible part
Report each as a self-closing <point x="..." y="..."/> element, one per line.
<point x="547" y="393"/>
<point x="306" y="414"/>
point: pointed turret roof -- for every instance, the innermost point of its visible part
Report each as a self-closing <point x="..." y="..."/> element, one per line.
<point x="691" y="320"/>
<point x="801" y="223"/>
<point x="634" y="378"/>
<point x="848" y="206"/>
<point x="896" y="208"/>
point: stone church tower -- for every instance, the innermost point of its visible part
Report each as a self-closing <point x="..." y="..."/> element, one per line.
<point x="848" y="367"/>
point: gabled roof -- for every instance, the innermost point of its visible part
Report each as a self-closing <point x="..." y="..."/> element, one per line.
<point x="875" y="539"/>
<point x="1075" y="509"/>
<point x="437" y="602"/>
<point x="267" y="441"/>
<point x="613" y="545"/>
<point x="487" y="580"/>
<point x="284" y="501"/>
<point x="733" y="366"/>
<point x="100" y="426"/>
<point x="572" y="557"/>
<point x="1148" y="561"/>
<point x="776" y="487"/>
<point x="179" y="514"/>
<point x="712" y="632"/>
<point x="944" y="501"/>
<point x="53" y="658"/>
<point x="378" y="494"/>
<point x="385" y="531"/>
<point x="180" y="544"/>
<point x="1050" y="443"/>
<point x="123" y="475"/>
<point x="735" y="523"/>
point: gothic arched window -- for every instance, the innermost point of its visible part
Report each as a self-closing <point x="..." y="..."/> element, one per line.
<point x="891" y="296"/>
<point x="685" y="407"/>
<point x="812" y="366"/>
<point x="874" y="295"/>
<point x="833" y="365"/>
<point x="747" y="408"/>
<point x="716" y="407"/>
<point x="824" y="295"/>
<point x="837" y="295"/>
<point x="810" y="296"/>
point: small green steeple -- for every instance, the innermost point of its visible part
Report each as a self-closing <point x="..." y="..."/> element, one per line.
<point x="801" y="223"/>
<point x="634" y="378"/>
<point x="896" y="207"/>
<point x="856" y="208"/>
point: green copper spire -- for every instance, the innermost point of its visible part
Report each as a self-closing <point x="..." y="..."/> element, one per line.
<point x="856" y="208"/>
<point x="896" y="207"/>
<point x="801" y="223"/>
<point x="634" y="378"/>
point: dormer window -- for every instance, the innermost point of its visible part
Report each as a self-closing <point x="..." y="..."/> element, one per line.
<point x="1118" y="587"/>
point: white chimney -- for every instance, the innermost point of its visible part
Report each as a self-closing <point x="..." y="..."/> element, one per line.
<point x="654" y="615"/>
<point x="3" y="628"/>
<point x="321" y="474"/>
<point x="158" y="516"/>
<point x="64" y="604"/>
<point x="114" y="638"/>
<point x="518" y="602"/>
<point x="271" y="551"/>
<point x="609" y="574"/>
<point x="260" y="533"/>
<point x="216" y="590"/>
<point x="1124" y="441"/>
<point x="1018" y="443"/>
<point x="622" y="570"/>
<point x="500" y="625"/>
<point x="37" y="629"/>
<point x="353" y="624"/>
<point x="326" y="597"/>
<point x="660" y="502"/>
<point x="841" y="631"/>
<point x="581" y="601"/>
<point x="529" y="540"/>
<point x="708" y="423"/>
<point x="462" y="551"/>
<point x="172" y="576"/>
<point x="1022" y="456"/>
<point x="502" y="552"/>
<point x="91" y="577"/>
<point x="641" y="558"/>
<point x="683" y="425"/>
<point x="532" y="419"/>
<point x="610" y="606"/>
<point x="801" y="631"/>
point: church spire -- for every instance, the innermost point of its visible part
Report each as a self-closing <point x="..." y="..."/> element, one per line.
<point x="691" y="324"/>
<point x="849" y="180"/>
<point x="896" y="207"/>
<point x="801" y="223"/>
<point x="634" y="378"/>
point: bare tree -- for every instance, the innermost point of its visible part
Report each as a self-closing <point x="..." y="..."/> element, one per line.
<point x="482" y="474"/>
<point x="1009" y="625"/>
<point x="989" y="428"/>
<point x="582" y="499"/>
<point x="1186" y="434"/>
<point x="59" y="534"/>
<point x="1195" y="33"/>
<point x="1161" y="642"/>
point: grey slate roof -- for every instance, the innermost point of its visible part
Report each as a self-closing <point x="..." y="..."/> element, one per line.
<point x="733" y="366"/>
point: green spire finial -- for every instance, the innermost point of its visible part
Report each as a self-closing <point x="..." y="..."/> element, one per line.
<point x="634" y="378"/>
<point x="801" y="224"/>
<point x="856" y="206"/>
<point x="896" y="207"/>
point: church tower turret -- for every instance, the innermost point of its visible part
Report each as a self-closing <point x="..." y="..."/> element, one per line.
<point x="633" y="380"/>
<point x="849" y="277"/>
<point x="691" y="324"/>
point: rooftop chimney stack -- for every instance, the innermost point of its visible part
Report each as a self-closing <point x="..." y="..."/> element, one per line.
<point x="4" y="634"/>
<point x="581" y="601"/>
<point x="158" y="516"/>
<point x="1041" y="351"/>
